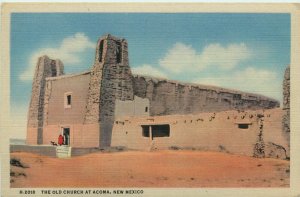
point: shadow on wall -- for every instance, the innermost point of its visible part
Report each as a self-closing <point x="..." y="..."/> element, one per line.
<point x="105" y="133"/>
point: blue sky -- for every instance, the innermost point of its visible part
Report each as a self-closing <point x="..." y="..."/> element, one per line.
<point x="248" y="52"/>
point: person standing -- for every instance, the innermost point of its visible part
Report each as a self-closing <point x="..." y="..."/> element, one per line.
<point x="60" y="139"/>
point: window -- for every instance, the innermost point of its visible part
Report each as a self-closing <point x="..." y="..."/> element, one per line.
<point x="243" y="126"/>
<point x="161" y="130"/>
<point x="68" y="100"/>
<point x="100" y="51"/>
<point x="119" y="52"/>
<point x="146" y="109"/>
<point x="145" y="131"/>
<point x="156" y="130"/>
<point x="53" y="68"/>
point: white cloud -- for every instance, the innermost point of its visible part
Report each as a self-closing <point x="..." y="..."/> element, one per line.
<point x="68" y="52"/>
<point x="260" y="81"/>
<point x="182" y="57"/>
<point x="183" y="62"/>
<point x="179" y="58"/>
<point x="148" y="70"/>
<point x="224" y="57"/>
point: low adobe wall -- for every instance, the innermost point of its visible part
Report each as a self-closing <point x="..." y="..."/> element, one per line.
<point x="32" y="135"/>
<point x="38" y="149"/>
<point x="208" y="131"/>
<point x="50" y="151"/>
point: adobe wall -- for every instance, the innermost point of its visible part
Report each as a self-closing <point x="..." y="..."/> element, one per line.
<point x="55" y="111"/>
<point x="32" y="135"/>
<point x="275" y="139"/>
<point x="49" y="151"/>
<point x="137" y="107"/>
<point x="172" y="97"/>
<point x="57" y="116"/>
<point x="81" y="136"/>
<point x="207" y="131"/>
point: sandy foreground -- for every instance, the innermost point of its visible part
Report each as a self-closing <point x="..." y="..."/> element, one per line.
<point x="150" y="169"/>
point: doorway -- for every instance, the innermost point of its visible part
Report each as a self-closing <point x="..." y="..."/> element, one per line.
<point x="66" y="135"/>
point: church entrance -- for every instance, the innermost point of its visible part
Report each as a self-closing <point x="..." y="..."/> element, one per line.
<point x="66" y="135"/>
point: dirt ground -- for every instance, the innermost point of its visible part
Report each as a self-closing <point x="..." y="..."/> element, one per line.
<point x="149" y="169"/>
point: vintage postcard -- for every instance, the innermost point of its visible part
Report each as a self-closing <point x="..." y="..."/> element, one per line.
<point x="150" y="99"/>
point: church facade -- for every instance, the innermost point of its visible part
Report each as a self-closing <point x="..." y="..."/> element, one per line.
<point x="109" y="106"/>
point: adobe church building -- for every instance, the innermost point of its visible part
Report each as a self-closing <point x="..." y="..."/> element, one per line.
<point x="109" y="106"/>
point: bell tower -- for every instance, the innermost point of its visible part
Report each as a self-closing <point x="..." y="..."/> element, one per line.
<point x="111" y="79"/>
<point x="45" y="67"/>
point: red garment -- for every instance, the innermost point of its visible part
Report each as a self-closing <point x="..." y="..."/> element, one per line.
<point x="60" y="139"/>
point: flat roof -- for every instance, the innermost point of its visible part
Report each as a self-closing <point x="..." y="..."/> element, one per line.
<point x="68" y="76"/>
